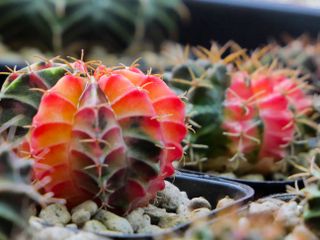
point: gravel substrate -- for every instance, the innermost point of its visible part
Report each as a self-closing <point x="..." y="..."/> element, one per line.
<point x="171" y="207"/>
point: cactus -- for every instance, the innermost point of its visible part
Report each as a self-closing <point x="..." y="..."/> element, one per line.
<point x="263" y="112"/>
<point x="22" y="91"/>
<point x="311" y="213"/>
<point x="241" y="111"/>
<point x="16" y="191"/>
<point x="59" y="24"/>
<point x="112" y="138"/>
<point x="204" y="80"/>
<point x="299" y="54"/>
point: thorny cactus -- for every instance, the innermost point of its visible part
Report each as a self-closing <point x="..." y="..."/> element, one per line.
<point x="263" y="111"/>
<point x="105" y="133"/>
<point x="311" y="193"/>
<point x="16" y="191"/>
<point x="300" y="54"/>
<point x="23" y="89"/>
<point x="61" y="24"/>
<point x="241" y="110"/>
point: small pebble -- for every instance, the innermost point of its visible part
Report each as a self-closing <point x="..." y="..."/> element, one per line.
<point x="89" y="206"/>
<point x="85" y="236"/>
<point x="54" y="233"/>
<point x="200" y="212"/>
<point x="55" y="214"/>
<point x="169" y="198"/>
<point x="36" y="223"/>
<point x="183" y="209"/>
<point x="228" y="175"/>
<point x="301" y="232"/>
<point x="289" y="214"/>
<point x="253" y="177"/>
<point x="94" y="226"/>
<point x="114" y="222"/>
<point x="265" y="206"/>
<point x="80" y="216"/>
<point x="72" y="226"/>
<point x="199" y="202"/>
<point x="183" y="206"/>
<point x="155" y="213"/>
<point x="184" y="198"/>
<point x="224" y="202"/>
<point x="171" y="220"/>
<point x="138" y="219"/>
<point x="150" y="229"/>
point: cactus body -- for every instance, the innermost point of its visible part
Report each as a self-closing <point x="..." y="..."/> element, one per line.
<point x="261" y="113"/>
<point x="16" y="191"/>
<point x="311" y="214"/>
<point x="22" y="91"/>
<point x="252" y="116"/>
<point x="205" y="83"/>
<point x="113" y="137"/>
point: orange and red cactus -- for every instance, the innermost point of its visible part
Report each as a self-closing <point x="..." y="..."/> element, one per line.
<point x="112" y="136"/>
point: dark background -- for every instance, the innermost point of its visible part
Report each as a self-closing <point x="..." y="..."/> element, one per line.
<point x="248" y="22"/>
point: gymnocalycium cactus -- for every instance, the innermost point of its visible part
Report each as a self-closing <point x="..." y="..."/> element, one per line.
<point x="22" y="91"/>
<point x="105" y="133"/>
<point x="240" y="111"/>
<point x="16" y="190"/>
<point x="263" y="111"/>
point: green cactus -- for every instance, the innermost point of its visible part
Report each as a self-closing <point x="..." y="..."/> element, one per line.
<point x="23" y="89"/>
<point x="299" y="54"/>
<point x="311" y="212"/>
<point x="60" y="24"/>
<point x="205" y="84"/>
<point x="16" y="191"/>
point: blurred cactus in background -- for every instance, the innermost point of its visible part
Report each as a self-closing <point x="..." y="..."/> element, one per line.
<point x="62" y="26"/>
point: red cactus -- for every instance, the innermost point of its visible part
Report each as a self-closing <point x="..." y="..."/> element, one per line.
<point x="261" y="111"/>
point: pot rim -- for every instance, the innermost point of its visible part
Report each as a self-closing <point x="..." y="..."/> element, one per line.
<point x="239" y="180"/>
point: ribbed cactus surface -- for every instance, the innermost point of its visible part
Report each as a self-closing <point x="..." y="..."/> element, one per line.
<point x="109" y="134"/>
<point x="262" y="113"/>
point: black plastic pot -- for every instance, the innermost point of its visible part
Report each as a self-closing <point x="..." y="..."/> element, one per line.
<point x="210" y="188"/>
<point x="268" y="187"/>
<point x="261" y="188"/>
<point x="284" y="196"/>
<point x="250" y="23"/>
